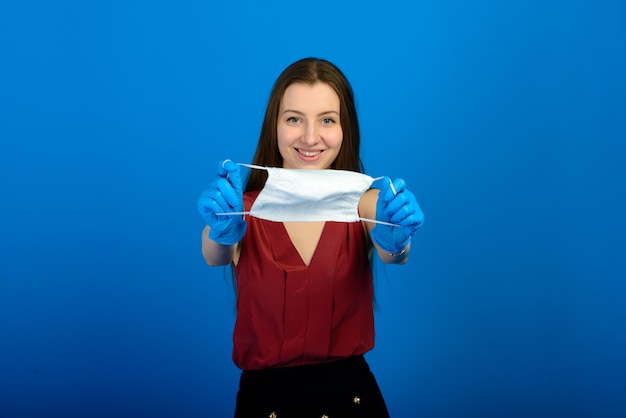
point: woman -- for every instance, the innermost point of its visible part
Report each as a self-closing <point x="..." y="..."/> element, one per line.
<point x="304" y="289"/>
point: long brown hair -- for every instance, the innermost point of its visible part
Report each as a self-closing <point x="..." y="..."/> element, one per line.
<point x="309" y="71"/>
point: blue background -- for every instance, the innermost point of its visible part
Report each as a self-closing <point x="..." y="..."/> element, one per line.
<point x="507" y="120"/>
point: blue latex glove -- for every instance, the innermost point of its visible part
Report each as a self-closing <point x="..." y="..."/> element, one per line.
<point x="399" y="208"/>
<point x="224" y="195"/>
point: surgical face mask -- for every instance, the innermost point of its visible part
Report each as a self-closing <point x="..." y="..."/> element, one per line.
<point x="298" y="195"/>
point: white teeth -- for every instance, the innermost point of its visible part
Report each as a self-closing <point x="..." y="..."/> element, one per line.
<point x="309" y="153"/>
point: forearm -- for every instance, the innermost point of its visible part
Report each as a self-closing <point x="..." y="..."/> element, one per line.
<point x="394" y="258"/>
<point x="214" y="253"/>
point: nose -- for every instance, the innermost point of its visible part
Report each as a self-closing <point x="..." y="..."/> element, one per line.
<point x="311" y="136"/>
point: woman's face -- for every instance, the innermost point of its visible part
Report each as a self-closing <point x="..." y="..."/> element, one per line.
<point x="309" y="129"/>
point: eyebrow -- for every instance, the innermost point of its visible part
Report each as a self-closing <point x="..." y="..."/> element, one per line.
<point x="328" y="112"/>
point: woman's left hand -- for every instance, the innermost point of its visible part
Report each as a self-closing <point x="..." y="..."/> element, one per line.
<point x="396" y="205"/>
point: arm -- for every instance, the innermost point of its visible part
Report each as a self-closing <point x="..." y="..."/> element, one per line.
<point x="223" y="232"/>
<point x="214" y="253"/>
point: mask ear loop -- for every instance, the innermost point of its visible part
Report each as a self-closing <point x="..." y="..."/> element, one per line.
<point x="224" y="162"/>
<point x="258" y="167"/>
<point x="375" y="221"/>
<point x="393" y="189"/>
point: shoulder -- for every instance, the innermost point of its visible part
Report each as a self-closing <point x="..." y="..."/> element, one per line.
<point x="251" y="195"/>
<point x="249" y="198"/>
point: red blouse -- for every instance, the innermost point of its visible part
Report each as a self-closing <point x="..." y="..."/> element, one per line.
<point x="289" y="314"/>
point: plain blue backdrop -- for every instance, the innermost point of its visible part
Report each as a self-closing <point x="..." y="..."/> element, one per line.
<point x="507" y="120"/>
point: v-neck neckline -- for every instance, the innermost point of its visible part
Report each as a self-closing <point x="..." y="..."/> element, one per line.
<point x="286" y="254"/>
<point x="294" y="251"/>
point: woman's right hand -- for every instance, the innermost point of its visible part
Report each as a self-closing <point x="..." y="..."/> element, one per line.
<point x="224" y="196"/>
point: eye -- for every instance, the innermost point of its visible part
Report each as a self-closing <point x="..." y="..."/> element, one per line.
<point x="293" y="119"/>
<point x="328" y="121"/>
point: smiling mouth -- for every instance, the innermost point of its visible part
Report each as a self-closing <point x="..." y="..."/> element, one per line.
<point x="309" y="153"/>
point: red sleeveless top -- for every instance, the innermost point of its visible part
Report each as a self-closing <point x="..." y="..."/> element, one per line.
<point x="292" y="314"/>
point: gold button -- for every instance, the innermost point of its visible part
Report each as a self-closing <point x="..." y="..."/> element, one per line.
<point x="324" y="416"/>
<point x="356" y="400"/>
<point x="273" y="415"/>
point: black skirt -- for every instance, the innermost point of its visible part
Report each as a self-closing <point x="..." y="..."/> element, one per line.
<point x="341" y="389"/>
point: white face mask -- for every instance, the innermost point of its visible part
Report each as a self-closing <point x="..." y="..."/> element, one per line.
<point x="297" y="195"/>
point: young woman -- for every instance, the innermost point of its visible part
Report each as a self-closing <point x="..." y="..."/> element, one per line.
<point x="304" y="289"/>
